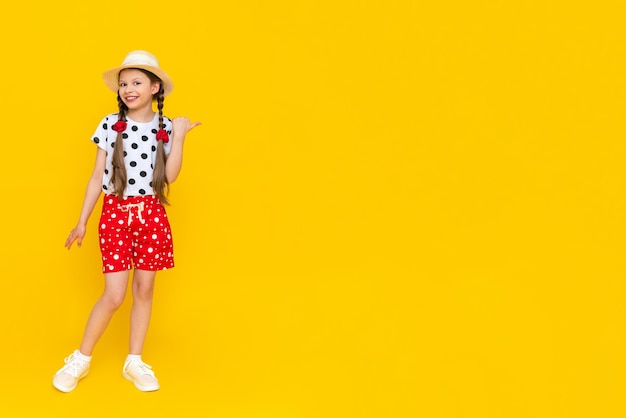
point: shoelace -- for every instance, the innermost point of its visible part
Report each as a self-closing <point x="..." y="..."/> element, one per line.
<point x="73" y="365"/>
<point x="144" y="368"/>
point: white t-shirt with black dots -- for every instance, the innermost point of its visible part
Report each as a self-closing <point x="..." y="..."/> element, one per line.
<point x="140" y="146"/>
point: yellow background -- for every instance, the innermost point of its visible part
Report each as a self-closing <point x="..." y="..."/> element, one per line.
<point x="392" y="208"/>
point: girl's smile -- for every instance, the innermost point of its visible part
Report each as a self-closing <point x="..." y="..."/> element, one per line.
<point x="136" y="90"/>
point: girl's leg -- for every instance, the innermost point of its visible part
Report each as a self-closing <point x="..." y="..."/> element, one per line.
<point x="102" y="312"/>
<point x="143" y="289"/>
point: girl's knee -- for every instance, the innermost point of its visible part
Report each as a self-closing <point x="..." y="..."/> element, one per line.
<point x="143" y="285"/>
<point x="113" y="300"/>
<point x="143" y="292"/>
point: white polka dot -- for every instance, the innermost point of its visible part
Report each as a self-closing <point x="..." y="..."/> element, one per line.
<point x="103" y="226"/>
<point x="154" y="236"/>
<point x="121" y="222"/>
<point x="120" y="242"/>
<point x="150" y="249"/>
<point x="156" y="256"/>
<point x="110" y="267"/>
<point x="156" y="219"/>
<point x="102" y="240"/>
<point x="113" y="215"/>
<point x="116" y="257"/>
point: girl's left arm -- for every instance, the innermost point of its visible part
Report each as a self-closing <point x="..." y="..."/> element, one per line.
<point x="180" y="127"/>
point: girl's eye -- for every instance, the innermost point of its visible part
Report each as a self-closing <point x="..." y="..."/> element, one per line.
<point x="122" y="84"/>
<point x="137" y="83"/>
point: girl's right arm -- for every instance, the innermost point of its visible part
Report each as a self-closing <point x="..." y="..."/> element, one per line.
<point x="94" y="188"/>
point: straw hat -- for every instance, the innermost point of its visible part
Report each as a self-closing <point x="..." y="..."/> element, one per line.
<point x="138" y="59"/>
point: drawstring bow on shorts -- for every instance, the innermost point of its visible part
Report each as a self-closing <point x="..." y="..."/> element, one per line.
<point x="127" y="208"/>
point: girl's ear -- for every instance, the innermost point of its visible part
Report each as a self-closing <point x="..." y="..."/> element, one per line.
<point x="155" y="88"/>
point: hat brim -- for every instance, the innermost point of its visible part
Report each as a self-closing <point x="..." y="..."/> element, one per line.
<point x="111" y="77"/>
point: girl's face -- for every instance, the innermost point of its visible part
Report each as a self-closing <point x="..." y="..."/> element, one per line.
<point x="136" y="89"/>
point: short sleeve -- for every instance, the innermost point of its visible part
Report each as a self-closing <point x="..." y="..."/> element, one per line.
<point x="100" y="136"/>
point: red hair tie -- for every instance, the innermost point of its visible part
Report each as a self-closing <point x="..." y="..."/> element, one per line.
<point x="119" y="126"/>
<point x="162" y="136"/>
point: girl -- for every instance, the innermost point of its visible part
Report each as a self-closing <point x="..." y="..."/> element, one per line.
<point x="139" y="155"/>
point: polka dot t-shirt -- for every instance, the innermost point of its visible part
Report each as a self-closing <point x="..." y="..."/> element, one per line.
<point x="140" y="144"/>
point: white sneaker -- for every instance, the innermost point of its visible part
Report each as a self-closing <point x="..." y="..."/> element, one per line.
<point x="68" y="376"/>
<point x="141" y="375"/>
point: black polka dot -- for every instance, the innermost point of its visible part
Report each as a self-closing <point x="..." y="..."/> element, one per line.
<point x="154" y="131"/>
<point x="104" y="187"/>
<point x="152" y="166"/>
<point x="134" y="128"/>
<point x="153" y="148"/>
<point x="143" y="174"/>
<point x="144" y="155"/>
<point x="142" y="191"/>
<point x="169" y="132"/>
<point x="131" y="181"/>
<point x="144" y="138"/>
<point x="106" y="171"/>
<point x="134" y="146"/>
<point x="150" y="184"/>
<point x="105" y="126"/>
<point x="133" y="163"/>
<point x="125" y="153"/>
<point x="96" y="139"/>
<point x="112" y="144"/>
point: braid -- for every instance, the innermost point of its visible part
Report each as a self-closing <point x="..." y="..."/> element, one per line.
<point x="160" y="185"/>
<point x="160" y="100"/>
<point x="118" y="177"/>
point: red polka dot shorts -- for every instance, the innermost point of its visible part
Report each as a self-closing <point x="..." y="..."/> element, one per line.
<point x="135" y="232"/>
